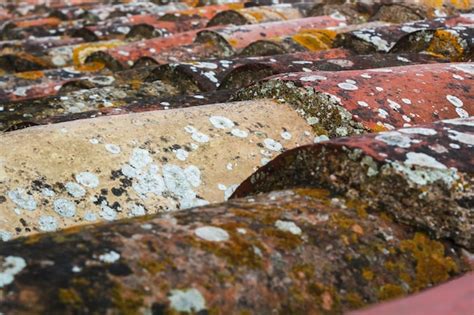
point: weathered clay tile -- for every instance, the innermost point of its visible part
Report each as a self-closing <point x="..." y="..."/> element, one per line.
<point x="87" y="94"/>
<point x="351" y="11"/>
<point x="353" y="102"/>
<point x="206" y="12"/>
<point x="295" y="252"/>
<point x="32" y="84"/>
<point x="133" y="8"/>
<point x="383" y="39"/>
<point x="256" y="15"/>
<point x="134" y="105"/>
<point x="125" y="56"/>
<point x="111" y="167"/>
<point x="305" y="40"/>
<point x="235" y="38"/>
<point x="422" y="176"/>
<point x="208" y="75"/>
<point x="454" y="297"/>
<point x="224" y="40"/>
<point x="455" y="42"/>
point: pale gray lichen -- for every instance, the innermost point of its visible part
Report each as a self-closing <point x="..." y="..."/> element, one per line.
<point x="75" y="190"/>
<point x="288" y="226"/>
<point x="190" y="300"/>
<point x="47" y="223"/>
<point x="22" y="199"/>
<point x="212" y="234"/>
<point x="11" y="266"/>
<point x="221" y="122"/>
<point x="87" y="179"/>
<point x="64" y="207"/>
<point x="5" y="236"/>
<point x="394" y="138"/>
<point x="422" y="169"/>
<point x="110" y="257"/>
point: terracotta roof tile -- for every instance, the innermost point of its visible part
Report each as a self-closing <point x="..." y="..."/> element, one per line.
<point x="344" y="126"/>
<point x="298" y="251"/>
<point x="352" y="102"/>
<point x="420" y="175"/>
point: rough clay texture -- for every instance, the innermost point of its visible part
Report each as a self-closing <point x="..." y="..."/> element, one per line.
<point x="422" y="176"/>
<point x="120" y="166"/>
<point x="353" y="102"/>
<point x="291" y="252"/>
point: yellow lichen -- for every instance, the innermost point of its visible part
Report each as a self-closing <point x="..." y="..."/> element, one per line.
<point x="69" y="297"/>
<point x="30" y="75"/>
<point x="81" y="52"/>
<point x="390" y="291"/>
<point x="432" y="265"/>
<point x="315" y="40"/>
<point x="446" y="44"/>
<point x="354" y="300"/>
<point x="367" y="274"/>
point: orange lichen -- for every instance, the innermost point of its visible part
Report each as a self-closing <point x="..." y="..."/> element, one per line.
<point x="30" y="75"/>
<point x="315" y="40"/>
<point x="446" y="44"/>
<point x="81" y="52"/>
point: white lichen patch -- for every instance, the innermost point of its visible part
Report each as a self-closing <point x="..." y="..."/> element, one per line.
<point x="454" y="100"/>
<point x="193" y="175"/>
<point x="362" y="104"/>
<point x="394" y="138"/>
<point x="106" y="212"/>
<point x="136" y="210"/>
<point x="112" y="148"/>
<point x="422" y="169"/>
<point x="466" y="138"/>
<point x="229" y="191"/>
<point x="419" y="131"/>
<point x="212" y="234"/>
<point x="11" y="266"/>
<point x="196" y="135"/>
<point x="181" y="154"/>
<point x="110" y="257"/>
<point x="75" y="190"/>
<point x="285" y="135"/>
<point x="47" y="223"/>
<point x="347" y="86"/>
<point x="422" y="159"/>
<point x="221" y="122"/>
<point x="372" y="37"/>
<point x="22" y="199"/>
<point x="87" y="179"/>
<point x="239" y="133"/>
<point x="288" y="226"/>
<point x="272" y="145"/>
<point x="5" y="236"/>
<point x="312" y="78"/>
<point x="140" y="158"/>
<point x="64" y="207"/>
<point x="321" y="138"/>
<point x="190" y="301"/>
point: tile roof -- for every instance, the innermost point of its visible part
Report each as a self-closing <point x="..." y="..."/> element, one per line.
<point x="288" y="156"/>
